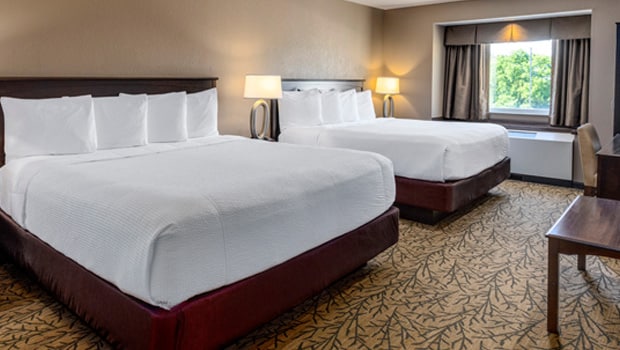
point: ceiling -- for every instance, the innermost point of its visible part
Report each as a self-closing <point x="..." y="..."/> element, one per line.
<point x="394" y="4"/>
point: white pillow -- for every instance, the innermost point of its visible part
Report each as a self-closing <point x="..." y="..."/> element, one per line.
<point x="365" y="108"/>
<point x="202" y="113"/>
<point x="121" y="121"/>
<point x="300" y="108"/>
<point x="167" y="117"/>
<point x="48" y="126"/>
<point x="348" y="100"/>
<point x="331" y="111"/>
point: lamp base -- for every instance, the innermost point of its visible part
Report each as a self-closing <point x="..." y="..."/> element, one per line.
<point x="265" y="127"/>
<point x="388" y="111"/>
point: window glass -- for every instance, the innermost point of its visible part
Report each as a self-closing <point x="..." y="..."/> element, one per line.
<point x="520" y="77"/>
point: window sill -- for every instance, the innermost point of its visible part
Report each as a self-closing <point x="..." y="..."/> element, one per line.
<point x="520" y="112"/>
<point x="518" y="124"/>
<point x="529" y="124"/>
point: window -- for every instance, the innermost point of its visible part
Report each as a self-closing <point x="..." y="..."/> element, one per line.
<point x="520" y="78"/>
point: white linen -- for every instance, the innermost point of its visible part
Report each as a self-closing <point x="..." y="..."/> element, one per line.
<point x="348" y="105"/>
<point x="365" y="108"/>
<point x="167" y="222"/>
<point x="167" y="117"/>
<point x="419" y="149"/>
<point x="64" y="125"/>
<point x="121" y="121"/>
<point x="331" y="109"/>
<point x="300" y="108"/>
<point x="202" y="113"/>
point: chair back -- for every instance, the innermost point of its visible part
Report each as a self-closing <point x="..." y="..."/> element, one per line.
<point x="589" y="144"/>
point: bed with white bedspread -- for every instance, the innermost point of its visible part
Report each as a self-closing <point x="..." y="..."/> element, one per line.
<point x="440" y="167"/>
<point x="182" y="244"/>
<point x="164" y="226"/>
<point x="420" y="149"/>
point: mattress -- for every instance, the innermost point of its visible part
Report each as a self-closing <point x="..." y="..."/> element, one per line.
<point x="165" y="222"/>
<point x="419" y="149"/>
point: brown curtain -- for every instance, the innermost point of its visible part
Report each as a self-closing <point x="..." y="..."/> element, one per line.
<point x="466" y="82"/>
<point x="572" y="27"/>
<point x="570" y="82"/>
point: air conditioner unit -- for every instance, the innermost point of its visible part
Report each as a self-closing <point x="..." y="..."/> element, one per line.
<point x="541" y="154"/>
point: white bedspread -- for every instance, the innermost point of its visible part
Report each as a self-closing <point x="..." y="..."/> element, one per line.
<point x="420" y="149"/>
<point x="167" y="222"/>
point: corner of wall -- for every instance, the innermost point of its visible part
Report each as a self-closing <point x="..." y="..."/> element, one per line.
<point x="438" y="57"/>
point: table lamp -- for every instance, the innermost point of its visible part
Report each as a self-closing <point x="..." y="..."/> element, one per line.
<point x="389" y="87"/>
<point x="261" y="87"/>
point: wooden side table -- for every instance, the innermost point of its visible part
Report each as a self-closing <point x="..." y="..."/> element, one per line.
<point x="589" y="226"/>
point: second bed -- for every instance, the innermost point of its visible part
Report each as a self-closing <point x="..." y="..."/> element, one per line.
<point x="440" y="167"/>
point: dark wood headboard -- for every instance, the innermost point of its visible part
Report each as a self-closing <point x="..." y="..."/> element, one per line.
<point x="307" y="84"/>
<point x="58" y="87"/>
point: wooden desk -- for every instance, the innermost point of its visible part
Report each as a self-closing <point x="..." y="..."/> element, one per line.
<point x="608" y="170"/>
<point x="589" y="226"/>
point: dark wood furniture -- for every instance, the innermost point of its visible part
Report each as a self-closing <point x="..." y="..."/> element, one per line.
<point x="589" y="226"/>
<point x="608" y="170"/>
<point x="419" y="200"/>
<point x="616" y="125"/>
<point x="209" y="320"/>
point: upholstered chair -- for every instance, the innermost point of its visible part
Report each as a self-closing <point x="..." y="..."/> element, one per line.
<point x="589" y="144"/>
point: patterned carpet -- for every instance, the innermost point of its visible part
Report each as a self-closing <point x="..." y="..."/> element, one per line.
<point x="476" y="281"/>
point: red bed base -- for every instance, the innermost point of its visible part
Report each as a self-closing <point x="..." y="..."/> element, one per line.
<point x="207" y="321"/>
<point x="429" y="202"/>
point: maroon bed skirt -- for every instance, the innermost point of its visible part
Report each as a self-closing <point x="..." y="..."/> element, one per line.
<point x="207" y="321"/>
<point x="426" y="201"/>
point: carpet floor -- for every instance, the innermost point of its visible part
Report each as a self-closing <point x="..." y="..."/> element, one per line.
<point x="474" y="281"/>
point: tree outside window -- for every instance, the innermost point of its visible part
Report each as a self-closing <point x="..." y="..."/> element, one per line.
<point x="520" y="77"/>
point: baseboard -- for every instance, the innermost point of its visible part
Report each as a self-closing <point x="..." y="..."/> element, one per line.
<point x="546" y="180"/>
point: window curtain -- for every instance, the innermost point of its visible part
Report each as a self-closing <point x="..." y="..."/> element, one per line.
<point x="570" y="82"/>
<point x="466" y="82"/>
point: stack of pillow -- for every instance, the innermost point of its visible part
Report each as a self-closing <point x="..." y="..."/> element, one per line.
<point x="83" y="124"/>
<point x="314" y="107"/>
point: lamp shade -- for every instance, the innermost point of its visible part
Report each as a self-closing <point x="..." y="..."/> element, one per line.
<point x="387" y="85"/>
<point x="263" y="86"/>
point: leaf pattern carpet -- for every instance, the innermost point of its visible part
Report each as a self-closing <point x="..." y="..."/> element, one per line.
<point x="477" y="280"/>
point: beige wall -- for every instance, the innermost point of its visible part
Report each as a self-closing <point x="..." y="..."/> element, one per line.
<point x="293" y="38"/>
<point x="409" y="44"/>
<point x="192" y="38"/>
